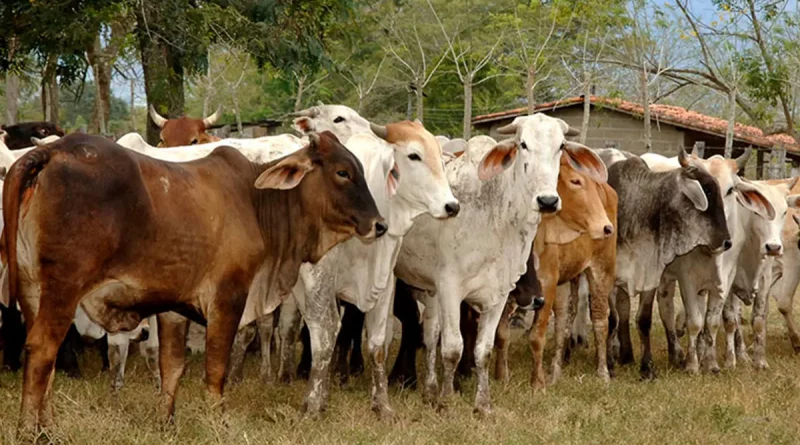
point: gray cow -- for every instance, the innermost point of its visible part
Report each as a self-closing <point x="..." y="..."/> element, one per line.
<point x="661" y="216"/>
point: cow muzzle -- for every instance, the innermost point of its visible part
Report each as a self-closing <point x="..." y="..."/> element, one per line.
<point x="548" y="203"/>
<point x="377" y="229"/>
<point x="773" y="249"/>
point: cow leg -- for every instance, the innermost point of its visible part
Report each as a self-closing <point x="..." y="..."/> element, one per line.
<point x="304" y="366"/>
<point x="432" y="328"/>
<point x="265" y="326"/>
<point x="601" y="282"/>
<point x="713" y="315"/>
<point x="102" y="348"/>
<point x="288" y="324"/>
<point x="172" y="331"/>
<point x="666" y="309"/>
<point x="578" y="313"/>
<point x="738" y="336"/>
<point x="729" y="320"/>
<point x="221" y="327"/>
<point x="67" y="357"/>
<point x="784" y="298"/>
<point x="244" y="336"/>
<point x="48" y="331"/>
<point x="644" y="321"/>
<point x="376" y="321"/>
<point x="468" y="325"/>
<point x="623" y="305"/>
<point x="13" y="333"/>
<point x="487" y="326"/>
<point x="613" y="326"/>
<point x="502" y="341"/>
<point x="352" y="327"/>
<point x="322" y="319"/>
<point x="561" y="332"/>
<point x="538" y="335"/>
<point x="759" y="325"/>
<point x="356" y="367"/>
<point x="452" y="344"/>
<point x="118" y="346"/>
<point x="149" y="349"/>
<point x="404" y="371"/>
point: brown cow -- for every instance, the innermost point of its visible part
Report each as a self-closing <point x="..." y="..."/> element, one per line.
<point x="565" y="251"/>
<point x="128" y="236"/>
<point x="184" y="130"/>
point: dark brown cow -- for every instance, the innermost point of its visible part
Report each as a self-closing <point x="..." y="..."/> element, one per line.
<point x="127" y="236"/>
<point x="19" y="135"/>
<point x="184" y="130"/>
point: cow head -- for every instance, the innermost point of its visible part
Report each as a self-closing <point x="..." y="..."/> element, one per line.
<point x="19" y="135"/>
<point x="699" y="202"/>
<point x="767" y="230"/>
<point x="330" y="181"/>
<point x="184" y="130"/>
<point x="539" y="142"/>
<point x="418" y="158"/>
<point x="585" y="206"/>
<point x="340" y="120"/>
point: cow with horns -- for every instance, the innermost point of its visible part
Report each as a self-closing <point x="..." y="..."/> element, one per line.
<point x="184" y="130"/>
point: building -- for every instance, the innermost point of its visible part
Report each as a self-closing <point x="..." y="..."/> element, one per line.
<point x="249" y="129"/>
<point x="615" y="123"/>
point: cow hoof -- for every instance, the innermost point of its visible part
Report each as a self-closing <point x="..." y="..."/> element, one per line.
<point x="760" y="365"/>
<point x="384" y="412"/>
<point x="796" y="348"/>
<point x="712" y="369"/>
<point x="604" y="376"/>
<point x="356" y="367"/>
<point x="403" y="381"/>
<point x="646" y="372"/>
<point x="692" y="368"/>
<point x="482" y="411"/>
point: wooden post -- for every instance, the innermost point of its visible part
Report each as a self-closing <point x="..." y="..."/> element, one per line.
<point x="699" y="149"/>
<point x="777" y="163"/>
<point x="760" y="166"/>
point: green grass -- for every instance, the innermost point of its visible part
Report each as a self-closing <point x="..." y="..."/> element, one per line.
<point x="739" y="407"/>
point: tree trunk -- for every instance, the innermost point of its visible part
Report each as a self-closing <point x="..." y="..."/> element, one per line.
<point x="238" y="115"/>
<point x="410" y="105"/>
<point x="43" y="96"/>
<point x="163" y="75"/>
<point x="12" y="98"/>
<point x="587" y="105"/>
<point x="53" y="98"/>
<point x="298" y="100"/>
<point x="99" y="109"/>
<point x="420" y="104"/>
<point x="467" y="106"/>
<point x="731" y="123"/>
<point x="530" y="86"/>
<point x="101" y="67"/>
<point x="133" y="104"/>
<point x="648" y="138"/>
<point x="209" y="86"/>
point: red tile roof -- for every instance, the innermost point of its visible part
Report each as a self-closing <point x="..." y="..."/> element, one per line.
<point x="669" y="114"/>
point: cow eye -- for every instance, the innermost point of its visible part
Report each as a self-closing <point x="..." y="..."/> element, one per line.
<point x="338" y="119"/>
<point x="414" y="157"/>
<point x="343" y="174"/>
<point x="729" y="192"/>
<point x="523" y="145"/>
<point x="575" y="181"/>
<point x="194" y="142"/>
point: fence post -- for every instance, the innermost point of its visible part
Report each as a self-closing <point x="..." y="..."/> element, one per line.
<point x="777" y="163"/>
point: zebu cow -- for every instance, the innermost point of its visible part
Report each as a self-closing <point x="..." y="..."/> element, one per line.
<point x="477" y="257"/>
<point x="699" y="272"/>
<point x="566" y="251"/>
<point x="660" y="217"/>
<point x="155" y="236"/>
<point x="184" y="130"/>
<point x="19" y="135"/>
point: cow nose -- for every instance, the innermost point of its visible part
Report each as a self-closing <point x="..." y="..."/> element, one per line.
<point x="727" y="244"/>
<point x="538" y="303"/>
<point x="144" y="335"/>
<point x="773" y="249"/>
<point x="380" y="228"/>
<point x="547" y="204"/>
<point x="452" y="208"/>
<point x="608" y="230"/>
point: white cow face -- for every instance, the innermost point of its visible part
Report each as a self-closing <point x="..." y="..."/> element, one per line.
<point x="768" y="231"/>
<point x="537" y="146"/>
<point x="340" y="120"/>
<point x="418" y="156"/>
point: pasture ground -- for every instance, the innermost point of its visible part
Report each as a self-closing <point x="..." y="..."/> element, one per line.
<point x="738" y="407"/>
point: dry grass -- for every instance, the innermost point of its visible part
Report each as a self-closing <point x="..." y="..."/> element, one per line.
<point x="743" y="406"/>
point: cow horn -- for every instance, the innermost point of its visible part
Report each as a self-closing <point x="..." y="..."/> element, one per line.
<point x="211" y="120"/>
<point x="37" y="142"/>
<point x="157" y="118"/>
<point x="682" y="158"/>
<point x="508" y="129"/>
<point x="741" y="161"/>
<point x="308" y="112"/>
<point x="320" y="103"/>
<point x="571" y="131"/>
<point x="380" y="130"/>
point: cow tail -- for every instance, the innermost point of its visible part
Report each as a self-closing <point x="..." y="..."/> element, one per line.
<point x="21" y="176"/>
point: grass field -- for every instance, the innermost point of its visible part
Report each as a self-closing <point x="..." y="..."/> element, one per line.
<point x="743" y="406"/>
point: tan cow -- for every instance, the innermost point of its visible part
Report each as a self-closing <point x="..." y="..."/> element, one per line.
<point x="184" y="130"/>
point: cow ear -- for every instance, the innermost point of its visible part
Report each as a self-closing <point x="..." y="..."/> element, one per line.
<point x="303" y="125"/>
<point x="498" y="159"/>
<point x="752" y="199"/>
<point x="286" y="174"/>
<point x="793" y="201"/>
<point x="584" y="160"/>
<point x="694" y="191"/>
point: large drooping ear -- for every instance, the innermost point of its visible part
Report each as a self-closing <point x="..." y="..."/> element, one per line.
<point x="793" y="201"/>
<point x="286" y="174"/>
<point x="584" y="160"/>
<point x="392" y="180"/>
<point x="752" y="199"/>
<point x="694" y="191"/>
<point x="498" y="159"/>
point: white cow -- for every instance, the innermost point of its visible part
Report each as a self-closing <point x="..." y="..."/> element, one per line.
<point x="786" y="274"/>
<point x="479" y="256"/>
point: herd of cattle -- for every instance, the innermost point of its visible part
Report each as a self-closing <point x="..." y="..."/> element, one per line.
<point x="125" y="241"/>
